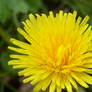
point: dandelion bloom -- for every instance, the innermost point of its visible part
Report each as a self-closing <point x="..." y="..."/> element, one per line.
<point x="58" y="53"/>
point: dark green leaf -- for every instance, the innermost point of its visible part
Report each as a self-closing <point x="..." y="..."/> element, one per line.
<point x="4" y="63"/>
<point x="18" y="6"/>
<point x="5" y="12"/>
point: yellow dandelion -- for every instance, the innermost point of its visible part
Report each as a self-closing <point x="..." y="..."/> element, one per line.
<point x="58" y="53"/>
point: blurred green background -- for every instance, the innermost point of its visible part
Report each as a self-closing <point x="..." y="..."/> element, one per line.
<point x="12" y="13"/>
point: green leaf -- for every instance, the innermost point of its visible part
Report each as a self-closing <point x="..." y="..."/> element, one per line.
<point x="18" y="6"/>
<point x="4" y="63"/>
<point x="5" y="12"/>
<point x="81" y="89"/>
<point x="35" y="5"/>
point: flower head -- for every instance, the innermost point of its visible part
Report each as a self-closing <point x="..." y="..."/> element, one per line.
<point x="58" y="52"/>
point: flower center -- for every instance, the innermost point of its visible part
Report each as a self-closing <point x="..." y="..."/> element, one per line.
<point x="63" y="56"/>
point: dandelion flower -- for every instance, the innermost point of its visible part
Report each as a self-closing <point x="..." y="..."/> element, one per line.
<point x="57" y="54"/>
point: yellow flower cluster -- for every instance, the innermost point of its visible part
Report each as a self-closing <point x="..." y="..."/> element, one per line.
<point x="58" y="53"/>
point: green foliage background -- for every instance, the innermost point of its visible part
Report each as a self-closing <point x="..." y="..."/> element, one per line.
<point x="13" y="12"/>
